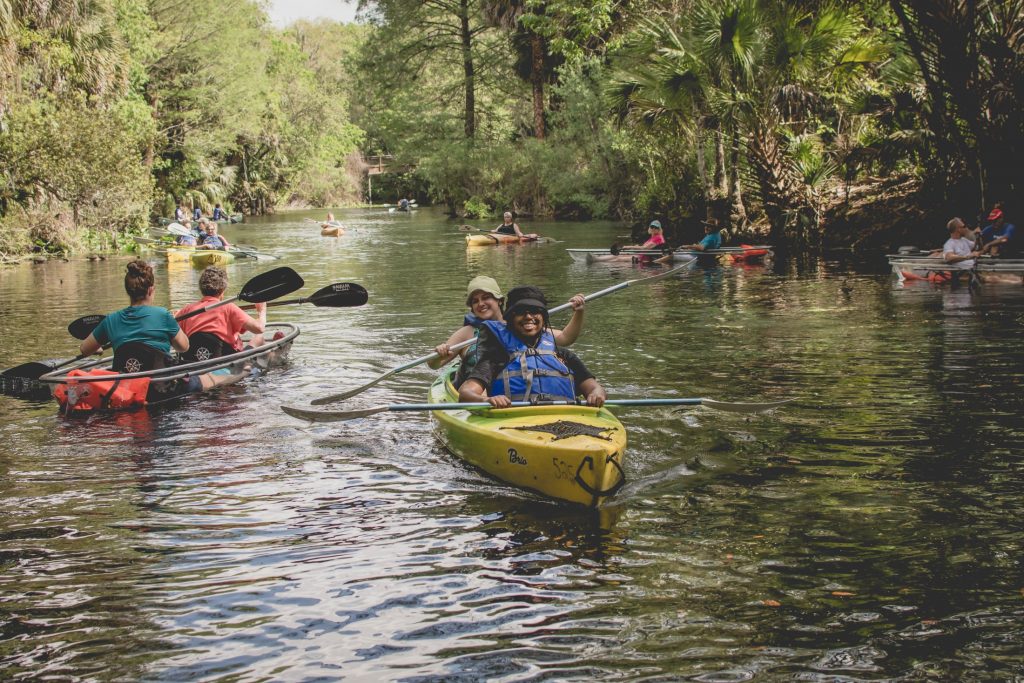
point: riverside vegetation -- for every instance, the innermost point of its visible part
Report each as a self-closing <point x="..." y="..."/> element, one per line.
<point x="784" y="118"/>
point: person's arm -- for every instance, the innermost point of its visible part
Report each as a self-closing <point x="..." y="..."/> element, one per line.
<point x="493" y="359"/>
<point x="585" y="382"/>
<point x="180" y="341"/>
<point x="571" y="332"/>
<point x="515" y="226"/>
<point x="259" y="323"/>
<point x="953" y="257"/>
<point x="227" y="245"/>
<point x="89" y="346"/>
<point x="594" y="392"/>
<point x="443" y="349"/>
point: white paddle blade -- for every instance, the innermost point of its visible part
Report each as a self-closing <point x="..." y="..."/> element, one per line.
<point x="331" y="416"/>
<point x="730" y="407"/>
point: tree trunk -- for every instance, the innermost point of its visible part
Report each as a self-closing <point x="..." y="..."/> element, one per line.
<point x="537" y="80"/>
<point x="779" y="191"/>
<point x="721" y="187"/>
<point x="737" y="211"/>
<point x="468" y="69"/>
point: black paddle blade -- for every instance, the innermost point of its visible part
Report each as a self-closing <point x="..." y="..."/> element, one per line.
<point x="27" y="371"/>
<point x="271" y="285"/>
<point x="615" y="249"/>
<point x="83" y="327"/>
<point x="340" y="295"/>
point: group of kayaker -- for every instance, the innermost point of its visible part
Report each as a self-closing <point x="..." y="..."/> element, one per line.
<point x="712" y="239"/>
<point x="142" y="335"/>
<point x="181" y="213"/>
<point x="965" y="244"/>
<point x="203" y="236"/>
<point x="517" y="355"/>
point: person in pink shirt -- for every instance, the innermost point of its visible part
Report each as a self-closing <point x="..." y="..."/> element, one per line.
<point x="224" y="324"/>
<point x="655" y="241"/>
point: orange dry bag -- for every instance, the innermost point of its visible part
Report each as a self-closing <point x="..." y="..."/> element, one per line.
<point x="117" y="394"/>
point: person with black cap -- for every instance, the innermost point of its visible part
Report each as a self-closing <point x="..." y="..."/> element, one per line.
<point x="519" y="361"/>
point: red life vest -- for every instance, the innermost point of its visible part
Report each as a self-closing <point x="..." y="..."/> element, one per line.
<point x="118" y="394"/>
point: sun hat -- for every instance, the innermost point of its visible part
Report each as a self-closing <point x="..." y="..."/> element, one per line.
<point x="523" y="298"/>
<point x="655" y="224"/>
<point x="482" y="283"/>
<point x="995" y="215"/>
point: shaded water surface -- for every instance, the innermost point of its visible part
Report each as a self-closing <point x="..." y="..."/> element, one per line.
<point x="871" y="530"/>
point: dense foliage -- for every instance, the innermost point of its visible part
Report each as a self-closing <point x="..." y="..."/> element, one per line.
<point x="114" y="110"/>
<point x="762" y="113"/>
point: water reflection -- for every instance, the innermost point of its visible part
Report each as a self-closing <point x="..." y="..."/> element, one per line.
<point x="865" y="531"/>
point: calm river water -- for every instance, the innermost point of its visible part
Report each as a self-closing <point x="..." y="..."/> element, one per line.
<point x="871" y="530"/>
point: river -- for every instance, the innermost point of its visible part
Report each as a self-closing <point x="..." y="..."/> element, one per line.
<point x="870" y="530"/>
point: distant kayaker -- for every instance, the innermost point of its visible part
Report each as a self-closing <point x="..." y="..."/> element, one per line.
<point x="197" y="213"/>
<point x="211" y="240"/>
<point x="180" y="214"/>
<point x="508" y="226"/>
<point x="226" y="323"/>
<point x="520" y="361"/>
<point x="958" y="251"/>
<point x="403" y="204"/>
<point x="485" y="301"/>
<point x="189" y="240"/>
<point x="712" y="237"/>
<point x="219" y="214"/>
<point x="997" y="237"/>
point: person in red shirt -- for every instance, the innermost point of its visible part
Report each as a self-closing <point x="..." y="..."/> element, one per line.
<point x="227" y="322"/>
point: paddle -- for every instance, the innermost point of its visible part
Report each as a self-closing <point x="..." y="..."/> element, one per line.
<point x="264" y="287"/>
<point x="338" y="295"/>
<point x="419" y="361"/>
<point x="343" y="415"/>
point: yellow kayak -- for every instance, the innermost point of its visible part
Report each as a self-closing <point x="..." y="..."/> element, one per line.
<point x="211" y="257"/>
<point x="570" y="453"/>
<point x="180" y="253"/>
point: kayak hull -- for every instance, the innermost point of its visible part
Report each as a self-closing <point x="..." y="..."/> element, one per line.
<point x="742" y="254"/>
<point x="490" y="239"/>
<point x="331" y="230"/>
<point x="202" y="258"/>
<point x="180" y="254"/>
<point x="569" y="453"/>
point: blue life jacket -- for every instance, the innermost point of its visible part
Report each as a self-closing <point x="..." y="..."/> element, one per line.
<point x="187" y="240"/>
<point x="214" y="241"/>
<point x="197" y="214"/>
<point x="219" y="215"/>
<point x="533" y="373"/>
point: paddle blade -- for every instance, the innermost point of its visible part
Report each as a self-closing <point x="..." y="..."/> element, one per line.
<point x="743" y="407"/>
<point x="178" y="229"/>
<point x="27" y="371"/>
<point x="331" y="416"/>
<point x="340" y="295"/>
<point x="271" y="285"/>
<point x="83" y="327"/>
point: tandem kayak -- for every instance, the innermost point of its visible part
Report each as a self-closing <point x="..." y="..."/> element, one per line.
<point x="566" y="452"/>
<point x="742" y="254"/>
<point x="92" y="386"/>
<point x="211" y="257"/>
<point x="490" y="239"/>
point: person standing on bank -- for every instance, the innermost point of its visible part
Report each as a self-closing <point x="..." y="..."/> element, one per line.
<point x="518" y="360"/>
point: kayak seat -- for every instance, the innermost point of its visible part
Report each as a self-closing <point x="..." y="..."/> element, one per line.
<point x="139" y="357"/>
<point x="204" y="346"/>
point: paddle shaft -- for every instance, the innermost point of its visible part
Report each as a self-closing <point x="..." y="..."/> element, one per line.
<point x="344" y="415"/>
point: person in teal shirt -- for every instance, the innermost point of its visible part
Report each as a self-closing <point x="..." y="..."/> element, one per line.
<point x="140" y="322"/>
<point x="712" y="237"/>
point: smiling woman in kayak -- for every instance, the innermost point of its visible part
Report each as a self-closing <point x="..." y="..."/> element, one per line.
<point x="521" y="362"/>
<point x="142" y="334"/>
<point x="485" y="303"/>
